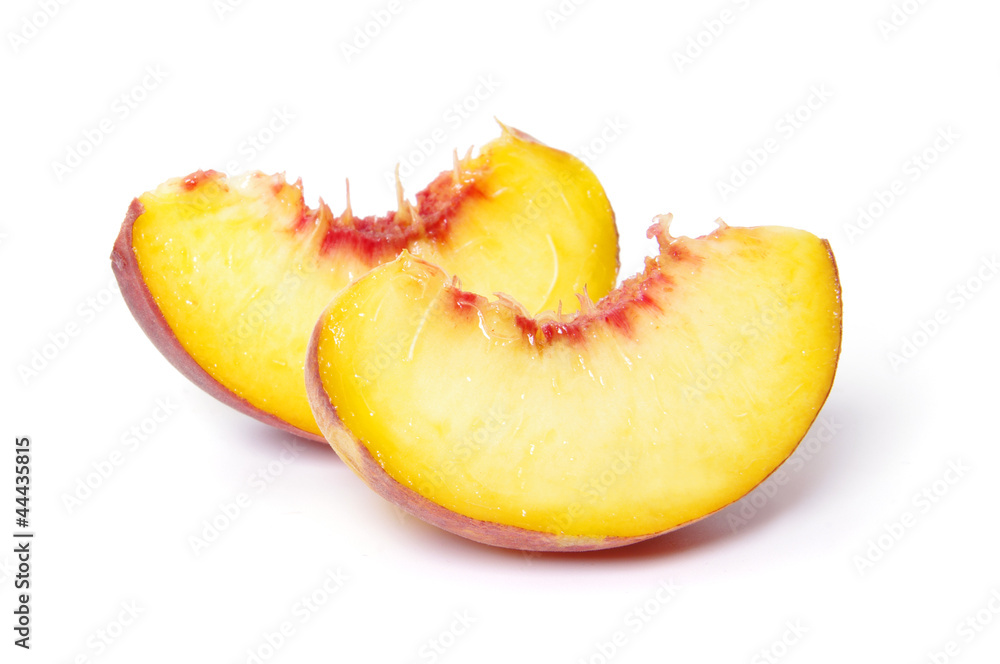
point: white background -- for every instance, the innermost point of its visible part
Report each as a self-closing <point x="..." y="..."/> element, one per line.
<point x="828" y="567"/>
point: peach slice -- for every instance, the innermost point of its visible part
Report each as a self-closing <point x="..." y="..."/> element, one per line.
<point x="667" y="400"/>
<point x="227" y="276"/>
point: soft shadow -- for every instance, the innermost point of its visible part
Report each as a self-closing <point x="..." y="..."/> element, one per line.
<point x="697" y="535"/>
<point x="828" y="469"/>
<point x="267" y="437"/>
<point x="819" y="468"/>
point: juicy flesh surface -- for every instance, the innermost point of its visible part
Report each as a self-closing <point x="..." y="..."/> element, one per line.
<point x="675" y="397"/>
<point x="541" y="222"/>
<point x="241" y="269"/>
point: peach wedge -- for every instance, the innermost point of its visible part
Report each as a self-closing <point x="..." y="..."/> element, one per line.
<point x="665" y="401"/>
<point x="227" y="275"/>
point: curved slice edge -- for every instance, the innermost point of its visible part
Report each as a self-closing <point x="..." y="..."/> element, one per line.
<point x="357" y="456"/>
<point x="484" y="532"/>
<point x="365" y="466"/>
<point x="147" y="313"/>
